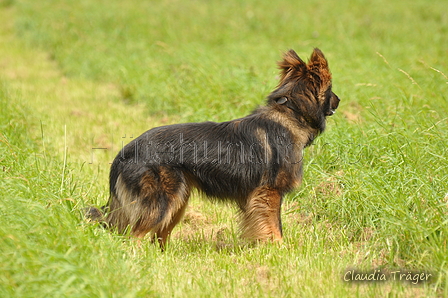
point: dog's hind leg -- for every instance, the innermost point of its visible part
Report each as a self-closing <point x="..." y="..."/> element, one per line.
<point x="154" y="203"/>
<point x="261" y="215"/>
<point x="163" y="198"/>
<point x="163" y="233"/>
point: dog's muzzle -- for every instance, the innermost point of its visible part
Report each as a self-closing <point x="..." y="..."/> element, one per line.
<point x="334" y="103"/>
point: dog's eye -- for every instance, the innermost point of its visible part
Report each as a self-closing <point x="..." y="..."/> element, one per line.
<point x="281" y="100"/>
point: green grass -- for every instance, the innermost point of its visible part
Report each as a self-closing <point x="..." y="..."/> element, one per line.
<point x="92" y="74"/>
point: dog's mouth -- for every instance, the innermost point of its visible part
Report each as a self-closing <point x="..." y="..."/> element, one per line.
<point x="330" y="112"/>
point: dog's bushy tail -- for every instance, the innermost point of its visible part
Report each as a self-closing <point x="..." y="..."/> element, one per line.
<point x="95" y="214"/>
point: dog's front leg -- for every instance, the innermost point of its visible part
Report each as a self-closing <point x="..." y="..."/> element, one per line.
<point x="261" y="215"/>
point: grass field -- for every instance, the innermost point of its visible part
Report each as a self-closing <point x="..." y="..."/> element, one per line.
<point x="78" y="79"/>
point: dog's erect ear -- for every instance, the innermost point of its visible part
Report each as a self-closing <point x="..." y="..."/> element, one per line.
<point x="317" y="61"/>
<point x="291" y="63"/>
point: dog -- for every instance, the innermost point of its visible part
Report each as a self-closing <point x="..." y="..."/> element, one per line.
<point x="252" y="161"/>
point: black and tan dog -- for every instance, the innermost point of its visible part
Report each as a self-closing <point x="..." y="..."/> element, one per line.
<point x="253" y="161"/>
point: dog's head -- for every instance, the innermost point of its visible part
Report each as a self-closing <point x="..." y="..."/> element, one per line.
<point x="305" y="89"/>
